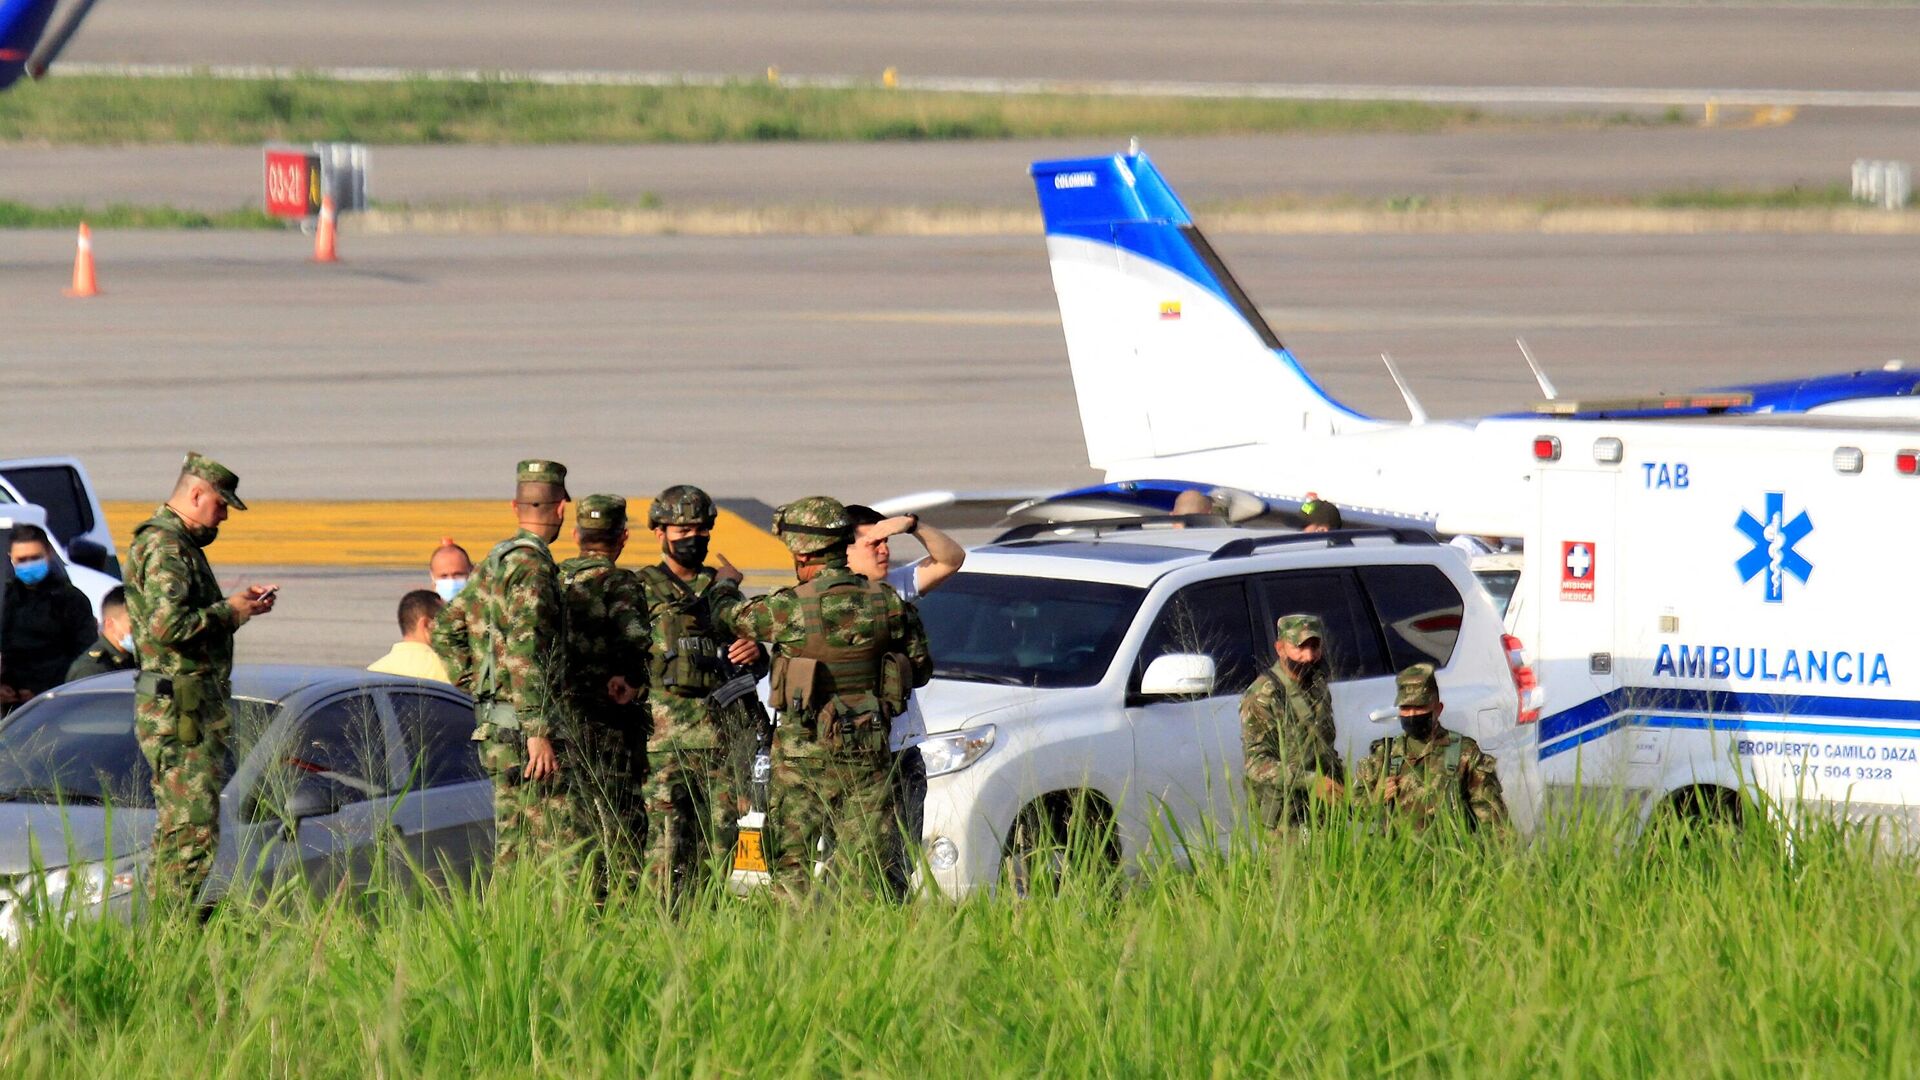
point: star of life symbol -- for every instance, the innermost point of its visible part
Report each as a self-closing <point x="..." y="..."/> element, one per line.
<point x="1774" y="538"/>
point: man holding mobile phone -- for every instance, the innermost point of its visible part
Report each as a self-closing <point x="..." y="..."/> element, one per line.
<point x="183" y="635"/>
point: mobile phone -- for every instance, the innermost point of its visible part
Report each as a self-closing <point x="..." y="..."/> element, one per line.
<point x="272" y="591"/>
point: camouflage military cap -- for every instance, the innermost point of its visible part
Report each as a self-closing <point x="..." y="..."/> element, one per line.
<point x="537" y="471"/>
<point x="601" y="513"/>
<point x="1319" y="511"/>
<point x="223" y="479"/>
<point x="681" y="504"/>
<point x="1416" y="688"/>
<point x="815" y="523"/>
<point x="1294" y="629"/>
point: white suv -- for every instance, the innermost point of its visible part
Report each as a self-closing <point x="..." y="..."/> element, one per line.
<point x="1097" y="673"/>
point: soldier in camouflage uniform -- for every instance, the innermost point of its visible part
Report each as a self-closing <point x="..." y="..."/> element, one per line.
<point x="849" y="651"/>
<point x="695" y="794"/>
<point x="1430" y="776"/>
<point x="1286" y="728"/>
<point x="183" y="635"/>
<point x="606" y="671"/>
<point x="502" y="640"/>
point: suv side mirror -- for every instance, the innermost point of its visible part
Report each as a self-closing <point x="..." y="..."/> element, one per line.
<point x="1178" y="675"/>
<point x="88" y="553"/>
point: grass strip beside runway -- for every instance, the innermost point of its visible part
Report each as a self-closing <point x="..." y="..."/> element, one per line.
<point x="402" y="535"/>
<point x="117" y="110"/>
<point x="1338" y="953"/>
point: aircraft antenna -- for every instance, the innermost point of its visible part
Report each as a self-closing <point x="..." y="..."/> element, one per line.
<point x="1416" y="414"/>
<point x="1539" y="376"/>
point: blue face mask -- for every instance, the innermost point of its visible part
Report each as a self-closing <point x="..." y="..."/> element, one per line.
<point x="32" y="572"/>
<point x="449" y="587"/>
<point x="126" y="641"/>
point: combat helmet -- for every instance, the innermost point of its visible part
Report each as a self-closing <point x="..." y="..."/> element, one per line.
<point x="813" y="524"/>
<point x="682" y="504"/>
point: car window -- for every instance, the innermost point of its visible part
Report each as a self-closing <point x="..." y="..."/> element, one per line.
<point x="1500" y="586"/>
<point x="439" y="739"/>
<point x="57" y="490"/>
<point x="1026" y="631"/>
<point x="80" y="746"/>
<point x="1352" y="647"/>
<point x="1210" y="618"/>
<point x="1419" y="609"/>
<point x="340" y="743"/>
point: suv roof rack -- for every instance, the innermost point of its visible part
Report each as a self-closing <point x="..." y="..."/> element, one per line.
<point x="1248" y="545"/>
<point x="1101" y="526"/>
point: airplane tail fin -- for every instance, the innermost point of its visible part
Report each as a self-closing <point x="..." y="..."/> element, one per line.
<point x="1169" y="356"/>
<point x="21" y="24"/>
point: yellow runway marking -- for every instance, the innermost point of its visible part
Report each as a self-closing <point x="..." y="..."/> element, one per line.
<point x="401" y="535"/>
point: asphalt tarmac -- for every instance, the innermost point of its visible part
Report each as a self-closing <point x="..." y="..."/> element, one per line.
<point x="423" y="367"/>
<point x="1816" y="149"/>
<point x="1814" y="46"/>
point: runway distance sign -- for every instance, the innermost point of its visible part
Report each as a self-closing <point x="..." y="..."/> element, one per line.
<point x="292" y="183"/>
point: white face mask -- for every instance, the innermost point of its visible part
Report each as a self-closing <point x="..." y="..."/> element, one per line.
<point x="449" y="587"/>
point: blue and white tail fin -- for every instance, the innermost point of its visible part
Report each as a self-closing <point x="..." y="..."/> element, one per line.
<point x="21" y="24"/>
<point x="1168" y="354"/>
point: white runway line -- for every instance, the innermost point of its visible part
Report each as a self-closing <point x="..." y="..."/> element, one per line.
<point x="1456" y="95"/>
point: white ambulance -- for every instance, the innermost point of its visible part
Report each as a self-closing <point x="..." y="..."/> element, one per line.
<point x="1719" y="607"/>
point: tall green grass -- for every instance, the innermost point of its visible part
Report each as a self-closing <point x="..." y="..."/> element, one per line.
<point x="1341" y="953"/>
<point x="104" y="109"/>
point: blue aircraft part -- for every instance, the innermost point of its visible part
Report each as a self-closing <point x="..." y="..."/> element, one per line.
<point x="1123" y="201"/>
<point x="1799" y="395"/>
<point x="21" y="24"/>
<point x="1784" y="397"/>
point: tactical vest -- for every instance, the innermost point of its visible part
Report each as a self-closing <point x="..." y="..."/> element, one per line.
<point x="500" y="715"/>
<point x="686" y="659"/>
<point x="815" y="673"/>
<point x="1455" y="788"/>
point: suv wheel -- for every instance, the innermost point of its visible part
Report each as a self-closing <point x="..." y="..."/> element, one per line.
<point x="1057" y="836"/>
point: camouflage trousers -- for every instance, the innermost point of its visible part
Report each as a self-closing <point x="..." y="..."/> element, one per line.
<point x="694" y="801"/>
<point x="532" y="819"/>
<point x="186" y="795"/>
<point x="608" y="781"/>
<point x="837" y="808"/>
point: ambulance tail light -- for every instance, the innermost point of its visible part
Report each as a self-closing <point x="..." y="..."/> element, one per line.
<point x="1908" y="462"/>
<point x="1546" y="448"/>
<point x="1525" y="684"/>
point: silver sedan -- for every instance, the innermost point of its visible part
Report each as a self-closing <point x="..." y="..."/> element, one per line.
<point x="338" y="775"/>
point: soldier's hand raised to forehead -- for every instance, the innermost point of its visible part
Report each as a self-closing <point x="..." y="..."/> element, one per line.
<point x="726" y="571"/>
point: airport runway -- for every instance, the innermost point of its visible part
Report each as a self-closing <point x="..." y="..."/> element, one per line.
<point x="1816" y="149"/>
<point x="770" y="367"/>
<point x="774" y="367"/>
<point x="1816" y="46"/>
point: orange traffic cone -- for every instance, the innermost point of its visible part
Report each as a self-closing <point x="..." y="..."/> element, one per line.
<point x="324" y="250"/>
<point x="84" y="283"/>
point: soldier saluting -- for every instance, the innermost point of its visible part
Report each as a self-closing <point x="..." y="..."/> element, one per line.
<point x="501" y="640"/>
<point x="849" y="653"/>
<point x="183" y="635"/>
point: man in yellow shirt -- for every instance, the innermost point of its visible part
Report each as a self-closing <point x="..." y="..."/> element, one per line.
<point x="414" y="655"/>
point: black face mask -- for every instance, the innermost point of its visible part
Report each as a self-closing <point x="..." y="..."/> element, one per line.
<point x="1419" y="726"/>
<point x="689" y="551"/>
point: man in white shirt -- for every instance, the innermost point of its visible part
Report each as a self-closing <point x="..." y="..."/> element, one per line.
<point x="413" y="655"/>
<point x="871" y="554"/>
